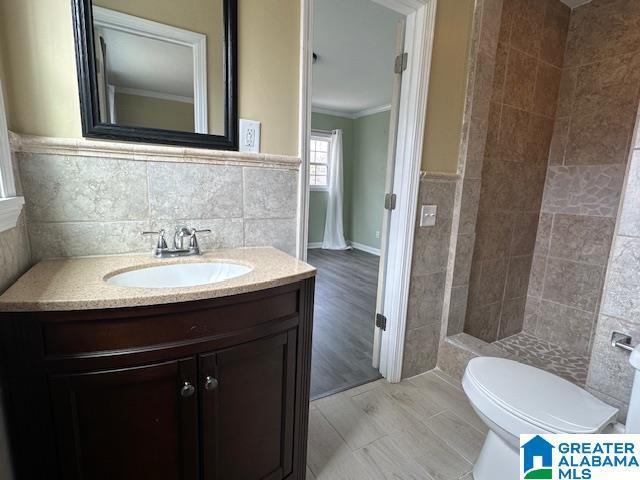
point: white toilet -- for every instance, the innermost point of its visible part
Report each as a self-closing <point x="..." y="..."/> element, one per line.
<point x="513" y="399"/>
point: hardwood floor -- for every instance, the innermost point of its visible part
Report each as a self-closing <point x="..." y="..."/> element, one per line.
<point x="345" y="303"/>
<point x="420" y="429"/>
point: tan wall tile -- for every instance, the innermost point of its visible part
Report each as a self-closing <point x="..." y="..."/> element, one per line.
<point x="610" y="85"/>
<point x="483" y="322"/>
<point x="573" y="284"/>
<point x="511" y="317"/>
<point x="601" y="138"/>
<point x="520" y="80"/>
<point x="529" y="20"/>
<point x="565" y="326"/>
<point x="554" y="34"/>
<point x="582" y="238"/>
<point x="518" y="277"/>
<point x="547" y="87"/>
<point x="559" y="141"/>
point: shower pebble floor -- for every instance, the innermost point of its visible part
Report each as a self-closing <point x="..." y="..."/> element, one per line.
<point x="546" y="356"/>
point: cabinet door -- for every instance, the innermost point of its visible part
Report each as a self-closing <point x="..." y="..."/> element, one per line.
<point x="248" y="409"/>
<point x="128" y="424"/>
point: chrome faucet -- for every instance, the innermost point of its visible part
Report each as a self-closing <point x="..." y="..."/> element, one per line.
<point x="161" y="250"/>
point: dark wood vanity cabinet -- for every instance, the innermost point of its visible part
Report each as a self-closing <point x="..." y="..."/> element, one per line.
<point x="213" y="389"/>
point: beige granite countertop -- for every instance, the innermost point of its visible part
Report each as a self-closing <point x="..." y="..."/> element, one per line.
<point x="78" y="283"/>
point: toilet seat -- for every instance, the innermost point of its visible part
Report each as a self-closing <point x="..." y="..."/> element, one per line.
<point x="524" y="399"/>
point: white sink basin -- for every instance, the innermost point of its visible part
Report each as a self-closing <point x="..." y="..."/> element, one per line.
<point x="178" y="275"/>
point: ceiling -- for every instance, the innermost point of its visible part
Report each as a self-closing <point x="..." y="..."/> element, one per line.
<point x="355" y="44"/>
<point x="146" y="64"/>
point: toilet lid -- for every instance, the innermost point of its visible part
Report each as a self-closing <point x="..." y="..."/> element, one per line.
<point x="539" y="397"/>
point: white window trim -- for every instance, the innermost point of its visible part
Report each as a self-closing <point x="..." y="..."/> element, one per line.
<point x="10" y="205"/>
<point x="319" y="135"/>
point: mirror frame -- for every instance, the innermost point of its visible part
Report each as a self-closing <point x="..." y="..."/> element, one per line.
<point x="87" y="86"/>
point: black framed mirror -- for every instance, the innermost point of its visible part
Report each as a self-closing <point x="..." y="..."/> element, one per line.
<point x="158" y="71"/>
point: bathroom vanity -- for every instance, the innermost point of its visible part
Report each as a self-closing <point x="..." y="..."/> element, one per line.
<point x="208" y="382"/>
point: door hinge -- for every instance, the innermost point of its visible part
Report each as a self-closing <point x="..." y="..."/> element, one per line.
<point x="381" y="321"/>
<point x="390" y="201"/>
<point x="401" y="62"/>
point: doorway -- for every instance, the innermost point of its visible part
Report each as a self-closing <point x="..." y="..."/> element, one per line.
<point x="361" y="138"/>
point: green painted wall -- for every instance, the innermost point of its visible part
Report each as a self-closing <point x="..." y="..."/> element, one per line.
<point x="318" y="200"/>
<point x="370" y="167"/>
<point x="365" y="153"/>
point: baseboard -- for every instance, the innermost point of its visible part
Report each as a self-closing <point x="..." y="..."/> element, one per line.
<point x="314" y="245"/>
<point x="366" y="248"/>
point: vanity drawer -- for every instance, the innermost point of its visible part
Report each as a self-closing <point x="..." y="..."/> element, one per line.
<point x="165" y="325"/>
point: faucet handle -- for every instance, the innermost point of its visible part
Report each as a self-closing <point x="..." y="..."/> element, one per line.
<point x="195" y="230"/>
<point x="193" y="240"/>
<point x="161" y="243"/>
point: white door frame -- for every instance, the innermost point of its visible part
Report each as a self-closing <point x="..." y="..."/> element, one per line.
<point x="113" y="20"/>
<point x="420" y="24"/>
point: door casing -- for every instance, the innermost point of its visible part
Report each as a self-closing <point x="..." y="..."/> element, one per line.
<point x="419" y="34"/>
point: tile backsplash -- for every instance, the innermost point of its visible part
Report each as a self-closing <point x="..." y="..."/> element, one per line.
<point x="79" y="204"/>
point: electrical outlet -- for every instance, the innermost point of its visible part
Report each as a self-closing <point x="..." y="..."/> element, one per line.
<point x="377" y="233"/>
<point x="249" y="136"/>
<point x="428" y="215"/>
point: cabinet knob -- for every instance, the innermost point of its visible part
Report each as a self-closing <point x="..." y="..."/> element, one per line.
<point x="187" y="389"/>
<point x="210" y="383"/>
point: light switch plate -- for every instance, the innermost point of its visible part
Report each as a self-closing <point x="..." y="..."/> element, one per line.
<point x="428" y="215"/>
<point x="249" y="136"/>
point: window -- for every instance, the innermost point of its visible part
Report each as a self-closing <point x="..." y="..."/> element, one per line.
<point x="320" y="161"/>
<point x="10" y="205"/>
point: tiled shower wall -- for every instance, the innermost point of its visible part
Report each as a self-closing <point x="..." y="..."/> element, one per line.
<point x="524" y="94"/>
<point x="78" y="205"/>
<point x="610" y="373"/>
<point x="595" y="118"/>
<point x="481" y="66"/>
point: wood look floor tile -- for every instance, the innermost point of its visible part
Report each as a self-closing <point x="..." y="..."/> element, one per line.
<point x="384" y="460"/>
<point x="437" y="458"/>
<point x="349" y="420"/>
<point x="458" y="434"/>
<point x="421" y="429"/>
<point x="366" y="387"/>
<point x="449" y="397"/>
<point x="413" y="400"/>
<point x="447" y="378"/>
<point x="328" y="456"/>
<point x="387" y="414"/>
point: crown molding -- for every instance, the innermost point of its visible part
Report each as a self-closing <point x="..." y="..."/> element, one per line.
<point x="352" y="115"/>
<point x="372" y="111"/>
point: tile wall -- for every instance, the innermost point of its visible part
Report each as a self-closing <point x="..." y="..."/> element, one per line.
<point x="526" y="81"/>
<point x="15" y="259"/>
<point x="428" y="275"/>
<point x="610" y="374"/>
<point x="481" y="67"/>
<point x="592" y="136"/>
<point x="95" y="205"/>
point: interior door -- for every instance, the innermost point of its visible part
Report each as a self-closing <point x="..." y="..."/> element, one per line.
<point x="388" y="186"/>
<point x="128" y="424"/>
<point x="247" y="408"/>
